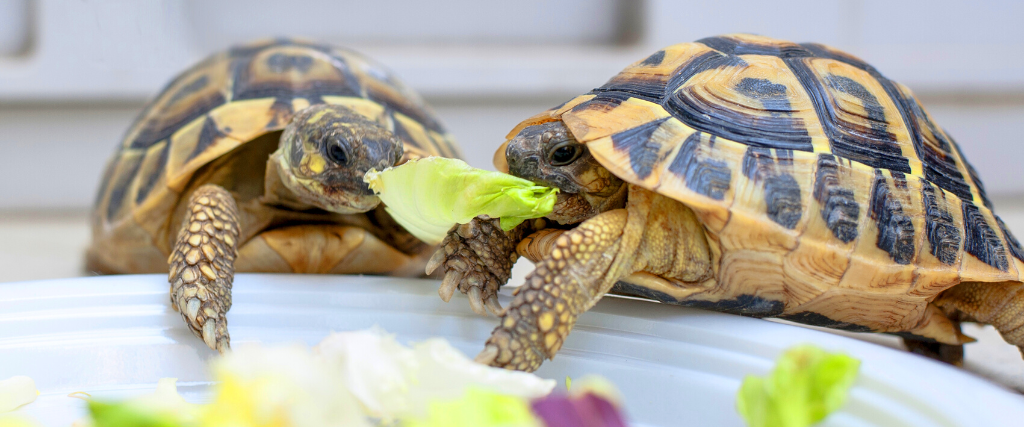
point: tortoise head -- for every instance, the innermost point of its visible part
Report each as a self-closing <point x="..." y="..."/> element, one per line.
<point x="548" y="154"/>
<point x="324" y="152"/>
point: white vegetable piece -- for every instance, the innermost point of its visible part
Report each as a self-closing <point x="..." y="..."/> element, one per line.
<point x="393" y="381"/>
<point x="290" y="381"/>
<point x="17" y="391"/>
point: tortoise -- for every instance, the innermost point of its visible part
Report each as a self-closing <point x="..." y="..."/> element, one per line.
<point x="252" y="160"/>
<point x="753" y="176"/>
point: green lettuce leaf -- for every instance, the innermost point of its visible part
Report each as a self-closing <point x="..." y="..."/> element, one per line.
<point x="806" y="385"/>
<point x="477" y="408"/>
<point x="162" y="408"/>
<point x="430" y="195"/>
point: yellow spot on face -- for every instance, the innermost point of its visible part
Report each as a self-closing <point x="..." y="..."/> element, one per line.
<point x="546" y="321"/>
<point x="576" y="238"/>
<point x="559" y="307"/>
<point x="509" y="322"/>
<point x="315" y="163"/>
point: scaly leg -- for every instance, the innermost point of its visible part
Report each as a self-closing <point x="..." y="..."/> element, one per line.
<point x="584" y="264"/>
<point x="202" y="265"/>
<point x="997" y="304"/>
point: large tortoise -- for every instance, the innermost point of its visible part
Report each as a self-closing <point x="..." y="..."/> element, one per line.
<point x="752" y="176"/>
<point x="253" y="160"/>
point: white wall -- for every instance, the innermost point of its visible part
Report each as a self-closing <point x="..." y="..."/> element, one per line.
<point x="73" y="73"/>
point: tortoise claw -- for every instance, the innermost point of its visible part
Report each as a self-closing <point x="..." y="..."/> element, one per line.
<point x="476" y="301"/>
<point x="493" y="305"/>
<point x="449" y="284"/>
<point x="488" y="356"/>
<point x="436" y="260"/>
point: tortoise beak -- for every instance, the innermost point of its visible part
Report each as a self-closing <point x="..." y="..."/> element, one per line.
<point x="500" y="161"/>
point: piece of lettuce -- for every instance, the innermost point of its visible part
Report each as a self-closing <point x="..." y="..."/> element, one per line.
<point x="162" y="408"/>
<point x="806" y="385"/>
<point x="477" y="408"/>
<point x="428" y="196"/>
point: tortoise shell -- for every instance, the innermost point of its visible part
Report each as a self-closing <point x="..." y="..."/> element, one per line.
<point x="233" y="98"/>
<point x="819" y="182"/>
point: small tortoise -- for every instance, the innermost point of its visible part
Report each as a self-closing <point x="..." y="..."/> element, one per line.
<point x="752" y="176"/>
<point x="253" y="160"/>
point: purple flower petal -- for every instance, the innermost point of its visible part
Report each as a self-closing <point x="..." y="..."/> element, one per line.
<point x="589" y="410"/>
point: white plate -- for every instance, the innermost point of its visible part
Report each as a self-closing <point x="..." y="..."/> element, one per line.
<point x="117" y="335"/>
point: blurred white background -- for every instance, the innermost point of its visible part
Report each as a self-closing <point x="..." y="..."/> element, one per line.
<point x="74" y="73"/>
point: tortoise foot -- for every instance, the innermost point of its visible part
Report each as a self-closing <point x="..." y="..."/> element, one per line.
<point x="477" y="259"/>
<point x="202" y="265"/>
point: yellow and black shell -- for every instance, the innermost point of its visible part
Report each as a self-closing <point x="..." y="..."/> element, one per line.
<point x="232" y="98"/>
<point x="819" y="182"/>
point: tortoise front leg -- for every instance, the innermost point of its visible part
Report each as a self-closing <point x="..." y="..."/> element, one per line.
<point x="202" y="265"/>
<point x="581" y="267"/>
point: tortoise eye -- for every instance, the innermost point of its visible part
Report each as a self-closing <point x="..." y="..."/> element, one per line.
<point x="565" y="155"/>
<point x="337" y="154"/>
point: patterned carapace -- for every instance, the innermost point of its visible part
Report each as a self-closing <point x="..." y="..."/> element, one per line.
<point x="806" y="166"/>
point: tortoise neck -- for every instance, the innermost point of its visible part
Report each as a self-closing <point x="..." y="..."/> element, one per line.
<point x="275" y="191"/>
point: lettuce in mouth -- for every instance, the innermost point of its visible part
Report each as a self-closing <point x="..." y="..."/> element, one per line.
<point x="428" y="196"/>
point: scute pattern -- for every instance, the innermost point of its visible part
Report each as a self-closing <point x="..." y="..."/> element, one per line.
<point x="810" y="171"/>
<point x="704" y="176"/>
<point x="863" y="135"/>
<point x="781" y="191"/>
<point x="643" y="152"/>
<point x="982" y="241"/>
<point x="1011" y="241"/>
<point x="943" y="235"/>
<point x="935" y="151"/>
<point x="766" y="119"/>
<point x="840" y="209"/>
<point x="896" y="230"/>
